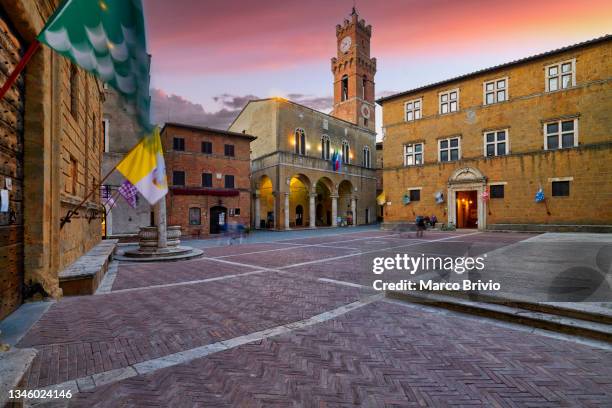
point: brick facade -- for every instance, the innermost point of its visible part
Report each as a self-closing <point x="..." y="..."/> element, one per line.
<point x="58" y="141"/>
<point x="528" y="163"/>
<point x="194" y="194"/>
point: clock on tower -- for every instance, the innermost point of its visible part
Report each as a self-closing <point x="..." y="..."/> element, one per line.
<point x="354" y="72"/>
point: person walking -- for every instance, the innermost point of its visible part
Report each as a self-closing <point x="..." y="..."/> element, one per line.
<point x="420" y="226"/>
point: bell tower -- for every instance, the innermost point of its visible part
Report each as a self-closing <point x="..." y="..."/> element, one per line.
<point x="354" y="72"/>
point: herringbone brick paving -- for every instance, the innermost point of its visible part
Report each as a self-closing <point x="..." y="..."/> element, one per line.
<point x="87" y="335"/>
<point x="379" y="355"/>
<point x="382" y="355"/>
<point x="130" y="275"/>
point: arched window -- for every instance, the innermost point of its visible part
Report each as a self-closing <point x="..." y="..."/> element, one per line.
<point x="364" y="83"/>
<point x="344" y="85"/>
<point x="325" y="147"/>
<point x="300" y="142"/>
<point x="346" y="152"/>
<point x="366" y="157"/>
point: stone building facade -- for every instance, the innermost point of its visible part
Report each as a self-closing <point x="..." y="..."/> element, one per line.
<point x="209" y="177"/>
<point x="539" y="122"/>
<point x="51" y="150"/>
<point x="121" y="133"/>
<point x="295" y="182"/>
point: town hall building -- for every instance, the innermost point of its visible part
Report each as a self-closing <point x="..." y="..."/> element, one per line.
<point x="295" y="180"/>
<point x="525" y="145"/>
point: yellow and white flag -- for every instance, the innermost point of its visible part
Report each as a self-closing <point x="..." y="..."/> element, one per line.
<point x="145" y="168"/>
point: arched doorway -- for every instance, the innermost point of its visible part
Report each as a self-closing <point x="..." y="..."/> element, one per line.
<point x="345" y="196"/>
<point x="218" y="219"/>
<point x="323" y="190"/>
<point x="265" y="201"/>
<point x="299" y="191"/>
<point x="466" y="209"/>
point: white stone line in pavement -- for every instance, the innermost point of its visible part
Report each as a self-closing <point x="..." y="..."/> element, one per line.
<point x="109" y="278"/>
<point x="344" y="283"/>
<point x="90" y="382"/>
<point x="368" y="252"/>
<point x="192" y="282"/>
<point x="332" y="258"/>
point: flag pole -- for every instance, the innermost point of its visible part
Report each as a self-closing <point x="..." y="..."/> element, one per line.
<point x="66" y="219"/>
<point x="20" y="66"/>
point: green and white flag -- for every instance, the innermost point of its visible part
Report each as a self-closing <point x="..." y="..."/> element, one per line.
<point x="107" y="38"/>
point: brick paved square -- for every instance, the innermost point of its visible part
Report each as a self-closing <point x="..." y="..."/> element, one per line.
<point x="329" y="342"/>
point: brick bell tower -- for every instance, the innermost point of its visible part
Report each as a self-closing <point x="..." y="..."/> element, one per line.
<point x="354" y="72"/>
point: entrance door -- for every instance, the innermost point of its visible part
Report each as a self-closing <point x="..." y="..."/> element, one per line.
<point x="11" y="172"/>
<point x="467" y="209"/>
<point x="218" y="218"/>
<point x="367" y="216"/>
<point x="299" y="215"/>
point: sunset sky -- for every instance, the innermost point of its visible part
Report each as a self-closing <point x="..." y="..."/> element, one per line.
<point x="210" y="57"/>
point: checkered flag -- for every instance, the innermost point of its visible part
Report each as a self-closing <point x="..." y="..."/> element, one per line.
<point x="107" y="197"/>
<point x="129" y="192"/>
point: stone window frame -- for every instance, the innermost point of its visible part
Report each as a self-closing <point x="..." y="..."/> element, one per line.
<point x="176" y="173"/>
<point x="560" y="74"/>
<point x="503" y="191"/>
<point x="299" y="142"/>
<point x="559" y="183"/>
<point x="206" y="143"/>
<point x="367" y="157"/>
<point x="346" y="152"/>
<point x="449" y="148"/>
<point x="413" y="154"/>
<point x="415" y="193"/>
<point x="325" y="147"/>
<point x="192" y="219"/>
<point x="180" y="144"/>
<point x="211" y="180"/>
<point x="413" y="109"/>
<point x="229" y="150"/>
<point x="448" y="101"/>
<point x="226" y="178"/>
<point x="560" y="133"/>
<point x="495" y="90"/>
<point x="495" y="142"/>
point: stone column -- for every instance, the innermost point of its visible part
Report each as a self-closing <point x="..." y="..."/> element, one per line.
<point x="312" y="210"/>
<point x="287" y="211"/>
<point x="354" y="211"/>
<point x="334" y="221"/>
<point x="257" y="217"/>
<point x="160" y="212"/>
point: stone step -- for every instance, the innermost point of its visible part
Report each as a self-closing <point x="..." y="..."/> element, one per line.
<point x="511" y="313"/>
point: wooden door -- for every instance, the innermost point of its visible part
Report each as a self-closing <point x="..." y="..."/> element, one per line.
<point x="11" y="171"/>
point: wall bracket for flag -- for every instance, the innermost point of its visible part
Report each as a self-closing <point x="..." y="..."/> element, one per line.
<point x="19" y="68"/>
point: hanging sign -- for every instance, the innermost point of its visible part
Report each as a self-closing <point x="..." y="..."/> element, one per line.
<point x="439" y="197"/>
<point x="406" y="199"/>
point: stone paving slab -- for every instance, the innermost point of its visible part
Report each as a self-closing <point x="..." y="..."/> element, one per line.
<point x="380" y="355"/>
<point x="131" y="275"/>
<point x="87" y="335"/>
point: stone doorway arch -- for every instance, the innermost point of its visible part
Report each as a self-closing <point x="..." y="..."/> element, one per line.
<point x="467" y="179"/>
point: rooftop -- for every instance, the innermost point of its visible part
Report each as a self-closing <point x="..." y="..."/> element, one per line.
<point x="208" y="129"/>
<point x="278" y="98"/>
<point x="498" y="67"/>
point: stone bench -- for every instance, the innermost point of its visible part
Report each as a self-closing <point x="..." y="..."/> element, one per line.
<point x="85" y="274"/>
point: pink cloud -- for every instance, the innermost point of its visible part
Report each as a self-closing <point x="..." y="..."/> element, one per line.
<point x="192" y="36"/>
